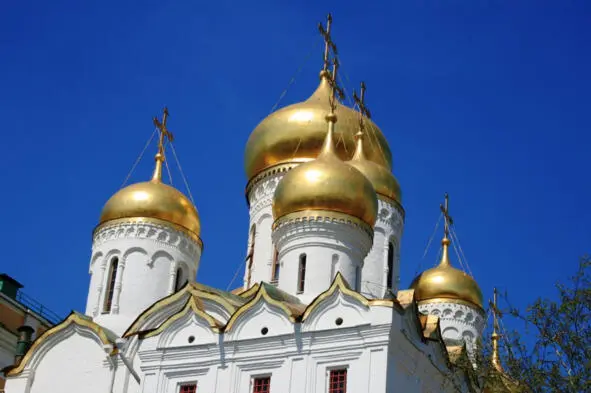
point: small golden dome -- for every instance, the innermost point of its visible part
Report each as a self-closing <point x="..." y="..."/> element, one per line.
<point x="152" y="199"/>
<point x="326" y="184"/>
<point x="295" y="134"/>
<point x="445" y="282"/>
<point x="382" y="179"/>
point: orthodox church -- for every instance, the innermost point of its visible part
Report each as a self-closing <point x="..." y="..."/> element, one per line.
<point x="319" y="309"/>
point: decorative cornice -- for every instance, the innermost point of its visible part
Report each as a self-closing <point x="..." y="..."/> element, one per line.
<point x="261" y="194"/>
<point x="321" y="216"/>
<point x="280" y="168"/>
<point x="390" y="213"/>
<point x="148" y="228"/>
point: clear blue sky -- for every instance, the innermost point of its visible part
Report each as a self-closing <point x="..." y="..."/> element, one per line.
<point x="488" y="101"/>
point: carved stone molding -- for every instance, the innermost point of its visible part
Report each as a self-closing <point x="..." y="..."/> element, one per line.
<point x="261" y="193"/>
<point x="390" y="214"/>
<point x="156" y="232"/>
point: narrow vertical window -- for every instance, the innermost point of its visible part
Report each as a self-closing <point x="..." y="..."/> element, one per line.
<point x="337" y="381"/>
<point x="262" y="384"/>
<point x="390" y="272"/>
<point x="276" y="268"/>
<point x="302" y="273"/>
<point x="358" y="279"/>
<point x="188" y="388"/>
<point x="110" y="285"/>
<point x="180" y="280"/>
<point x="250" y="255"/>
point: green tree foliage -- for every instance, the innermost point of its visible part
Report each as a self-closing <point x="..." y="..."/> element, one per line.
<point x="553" y="351"/>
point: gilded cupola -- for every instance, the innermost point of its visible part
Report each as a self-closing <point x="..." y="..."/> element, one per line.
<point x="326" y="184"/>
<point x="153" y="200"/>
<point x="444" y="282"/>
<point x="382" y="179"/>
<point x="295" y="134"/>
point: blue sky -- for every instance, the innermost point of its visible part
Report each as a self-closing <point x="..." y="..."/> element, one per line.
<point x="488" y="101"/>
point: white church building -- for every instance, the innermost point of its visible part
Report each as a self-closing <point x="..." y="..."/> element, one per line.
<point x="319" y="310"/>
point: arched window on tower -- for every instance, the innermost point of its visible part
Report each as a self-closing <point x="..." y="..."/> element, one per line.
<point x="180" y="279"/>
<point x="250" y="254"/>
<point x="275" y="268"/>
<point x="390" y="273"/>
<point x="302" y="273"/>
<point x="110" y="288"/>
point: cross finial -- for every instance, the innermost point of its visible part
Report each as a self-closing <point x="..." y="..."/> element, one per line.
<point x="164" y="133"/>
<point x="448" y="219"/>
<point x="335" y="89"/>
<point x="360" y="101"/>
<point x="496" y="359"/>
<point x="328" y="43"/>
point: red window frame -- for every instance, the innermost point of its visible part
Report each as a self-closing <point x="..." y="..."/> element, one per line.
<point x="261" y="385"/>
<point x="188" y="388"/>
<point x="337" y="381"/>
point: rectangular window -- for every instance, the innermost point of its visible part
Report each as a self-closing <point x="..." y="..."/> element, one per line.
<point x="358" y="279"/>
<point x="302" y="273"/>
<point x="188" y="388"/>
<point x="261" y="384"/>
<point x="337" y="381"/>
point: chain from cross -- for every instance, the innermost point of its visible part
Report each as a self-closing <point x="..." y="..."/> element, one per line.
<point x="336" y="90"/>
<point x="164" y="133"/>
<point x="328" y="43"/>
<point x="445" y="210"/>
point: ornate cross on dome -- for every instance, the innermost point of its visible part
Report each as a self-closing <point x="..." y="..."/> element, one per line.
<point x="164" y="133"/>
<point x="328" y="44"/>
<point x="335" y="89"/>
<point x="360" y="101"/>
<point x="448" y="219"/>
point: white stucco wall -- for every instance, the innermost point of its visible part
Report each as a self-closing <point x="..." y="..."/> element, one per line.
<point x="148" y="256"/>
<point x="329" y="245"/>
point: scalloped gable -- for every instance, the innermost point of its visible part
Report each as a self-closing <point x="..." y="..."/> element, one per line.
<point x="340" y="284"/>
<point x="193" y="305"/>
<point x="228" y="301"/>
<point x="290" y="305"/>
<point x="105" y="336"/>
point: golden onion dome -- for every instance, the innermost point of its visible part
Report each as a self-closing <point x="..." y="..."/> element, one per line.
<point x="383" y="181"/>
<point x="446" y="283"/>
<point x="154" y="201"/>
<point x="326" y="184"/>
<point x="295" y="134"/>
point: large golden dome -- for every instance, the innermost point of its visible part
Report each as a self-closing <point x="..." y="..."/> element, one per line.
<point x="326" y="184"/>
<point x="446" y="283"/>
<point x="294" y="134"/>
<point x="381" y="178"/>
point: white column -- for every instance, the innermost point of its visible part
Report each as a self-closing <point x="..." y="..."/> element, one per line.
<point x="387" y="230"/>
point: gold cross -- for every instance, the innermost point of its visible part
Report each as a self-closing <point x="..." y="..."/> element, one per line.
<point x="164" y="133"/>
<point x="445" y="210"/>
<point x="328" y="44"/>
<point x="360" y="101"/>
<point x="334" y="86"/>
